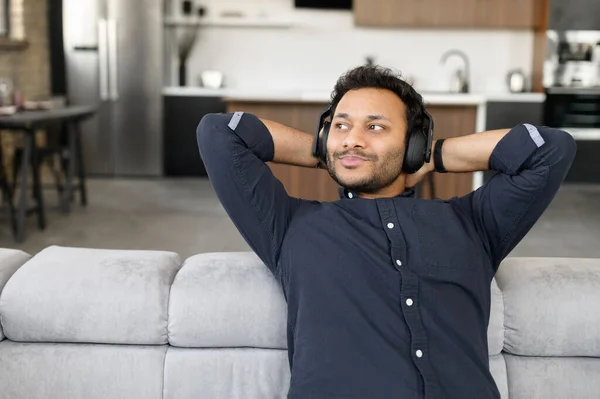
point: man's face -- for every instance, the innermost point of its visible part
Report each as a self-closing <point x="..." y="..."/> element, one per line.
<point x="365" y="147"/>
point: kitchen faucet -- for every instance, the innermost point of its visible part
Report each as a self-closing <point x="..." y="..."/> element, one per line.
<point x="460" y="82"/>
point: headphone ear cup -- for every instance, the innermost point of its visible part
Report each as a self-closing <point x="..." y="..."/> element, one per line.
<point x="323" y="135"/>
<point x="414" y="156"/>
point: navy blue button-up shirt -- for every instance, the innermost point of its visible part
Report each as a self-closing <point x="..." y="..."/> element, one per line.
<point x="387" y="298"/>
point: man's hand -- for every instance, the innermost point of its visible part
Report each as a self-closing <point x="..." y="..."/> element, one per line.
<point x="415" y="178"/>
<point x="470" y="153"/>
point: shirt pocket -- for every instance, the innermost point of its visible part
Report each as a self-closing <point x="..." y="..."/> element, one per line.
<point x="446" y="239"/>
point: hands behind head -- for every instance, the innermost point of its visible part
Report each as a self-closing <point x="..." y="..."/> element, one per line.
<point x="413" y="179"/>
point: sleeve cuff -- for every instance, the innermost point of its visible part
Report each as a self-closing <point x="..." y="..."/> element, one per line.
<point x="254" y="134"/>
<point x="514" y="149"/>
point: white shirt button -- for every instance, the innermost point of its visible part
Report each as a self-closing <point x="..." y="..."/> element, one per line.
<point x="350" y="195"/>
<point x="409" y="302"/>
<point x="419" y="353"/>
<point x="390" y="225"/>
<point x="398" y="262"/>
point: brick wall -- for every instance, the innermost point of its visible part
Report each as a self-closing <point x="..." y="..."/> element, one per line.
<point x="29" y="68"/>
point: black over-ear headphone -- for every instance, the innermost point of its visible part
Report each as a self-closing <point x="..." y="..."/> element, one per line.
<point x="418" y="147"/>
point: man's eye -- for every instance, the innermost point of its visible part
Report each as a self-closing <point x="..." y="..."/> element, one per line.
<point x="375" y="127"/>
<point x="342" y="126"/>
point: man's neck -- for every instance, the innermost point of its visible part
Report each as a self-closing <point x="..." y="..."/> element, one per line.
<point x="393" y="190"/>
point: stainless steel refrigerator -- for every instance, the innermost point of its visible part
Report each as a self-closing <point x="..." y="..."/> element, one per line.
<point x="114" y="59"/>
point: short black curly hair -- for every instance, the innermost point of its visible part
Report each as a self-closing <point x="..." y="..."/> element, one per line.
<point x="376" y="76"/>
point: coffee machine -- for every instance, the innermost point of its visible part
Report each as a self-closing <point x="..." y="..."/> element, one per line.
<point x="572" y="87"/>
<point x="572" y="59"/>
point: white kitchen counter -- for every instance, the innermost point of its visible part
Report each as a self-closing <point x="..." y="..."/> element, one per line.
<point x="434" y="98"/>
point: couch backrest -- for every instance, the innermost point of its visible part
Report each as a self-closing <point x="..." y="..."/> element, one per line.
<point x="226" y="300"/>
<point x="90" y="296"/>
<point x="551" y="326"/>
<point x="543" y="334"/>
<point x="10" y="261"/>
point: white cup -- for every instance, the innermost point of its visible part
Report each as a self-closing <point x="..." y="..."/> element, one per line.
<point x="212" y="79"/>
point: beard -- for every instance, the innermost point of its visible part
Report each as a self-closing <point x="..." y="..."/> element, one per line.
<point x="386" y="170"/>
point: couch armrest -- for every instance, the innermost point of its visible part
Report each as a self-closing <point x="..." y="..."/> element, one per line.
<point x="10" y="261"/>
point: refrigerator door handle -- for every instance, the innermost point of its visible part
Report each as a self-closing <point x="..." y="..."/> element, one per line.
<point x="112" y="59"/>
<point x="103" y="59"/>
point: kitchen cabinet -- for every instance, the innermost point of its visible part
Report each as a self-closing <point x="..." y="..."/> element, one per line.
<point x="182" y="114"/>
<point x="508" y="114"/>
<point x="574" y="15"/>
<point x="316" y="184"/>
<point x="511" y="14"/>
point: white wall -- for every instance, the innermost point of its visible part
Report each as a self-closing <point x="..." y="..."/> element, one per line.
<point x="320" y="45"/>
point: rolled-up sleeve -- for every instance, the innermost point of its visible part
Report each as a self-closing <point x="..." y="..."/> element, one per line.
<point x="235" y="148"/>
<point x="531" y="163"/>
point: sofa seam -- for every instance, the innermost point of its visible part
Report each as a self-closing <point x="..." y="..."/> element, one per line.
<point x="179" y="261"/>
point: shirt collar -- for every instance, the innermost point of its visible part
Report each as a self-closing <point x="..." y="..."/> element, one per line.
<point x="345" y="193"/>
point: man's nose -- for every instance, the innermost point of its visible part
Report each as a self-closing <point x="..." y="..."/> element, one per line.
<point x="354" y="139"/>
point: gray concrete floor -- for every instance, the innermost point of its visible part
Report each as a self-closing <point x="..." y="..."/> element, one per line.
<point x="184" y="216"/>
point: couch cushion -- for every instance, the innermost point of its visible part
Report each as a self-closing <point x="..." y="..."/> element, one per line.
<point x="75" y="371"/>
<point x="496" y="323"/>
<point x="553" y="377"/>
<point x="226" y="300"/>
<point x="90" y="295"/>
<point x="228" y="373"/>
<point x="10" y="261"/>
<point x="551" y="306"/>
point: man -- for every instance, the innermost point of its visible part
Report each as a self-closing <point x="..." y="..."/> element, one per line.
<point x="388" y="295"/>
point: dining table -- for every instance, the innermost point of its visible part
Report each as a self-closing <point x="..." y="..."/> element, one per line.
<point x="28" y="123"/>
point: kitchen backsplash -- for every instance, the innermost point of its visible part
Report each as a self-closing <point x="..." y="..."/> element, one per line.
<point x="320" y="45"/>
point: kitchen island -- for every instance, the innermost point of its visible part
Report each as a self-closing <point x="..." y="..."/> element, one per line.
<point x="454" y="115"/>
<point x="450" y="121"/>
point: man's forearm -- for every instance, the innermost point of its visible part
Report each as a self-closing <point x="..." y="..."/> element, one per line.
<point x="470" y="153"/>
<point x="292" y="146"/>
<point x="460" y="154"/>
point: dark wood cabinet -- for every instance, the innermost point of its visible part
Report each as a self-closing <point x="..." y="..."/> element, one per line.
<point x="508" y="114"/>
<point x="316" y="184"/>
<point x="452" y="121"/>
<point x="510" y="14"/>
<point x="182" y="114"/>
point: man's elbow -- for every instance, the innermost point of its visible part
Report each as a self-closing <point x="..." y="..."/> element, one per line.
<point x="564" y="146"/>
<point x="208" y="130"/>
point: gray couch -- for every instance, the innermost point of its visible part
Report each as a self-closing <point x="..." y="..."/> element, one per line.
<point x="87" y="323"/>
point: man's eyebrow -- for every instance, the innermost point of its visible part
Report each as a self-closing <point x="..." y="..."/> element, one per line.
<point x="344" y="115"/>
<point x="377" y="117"/>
